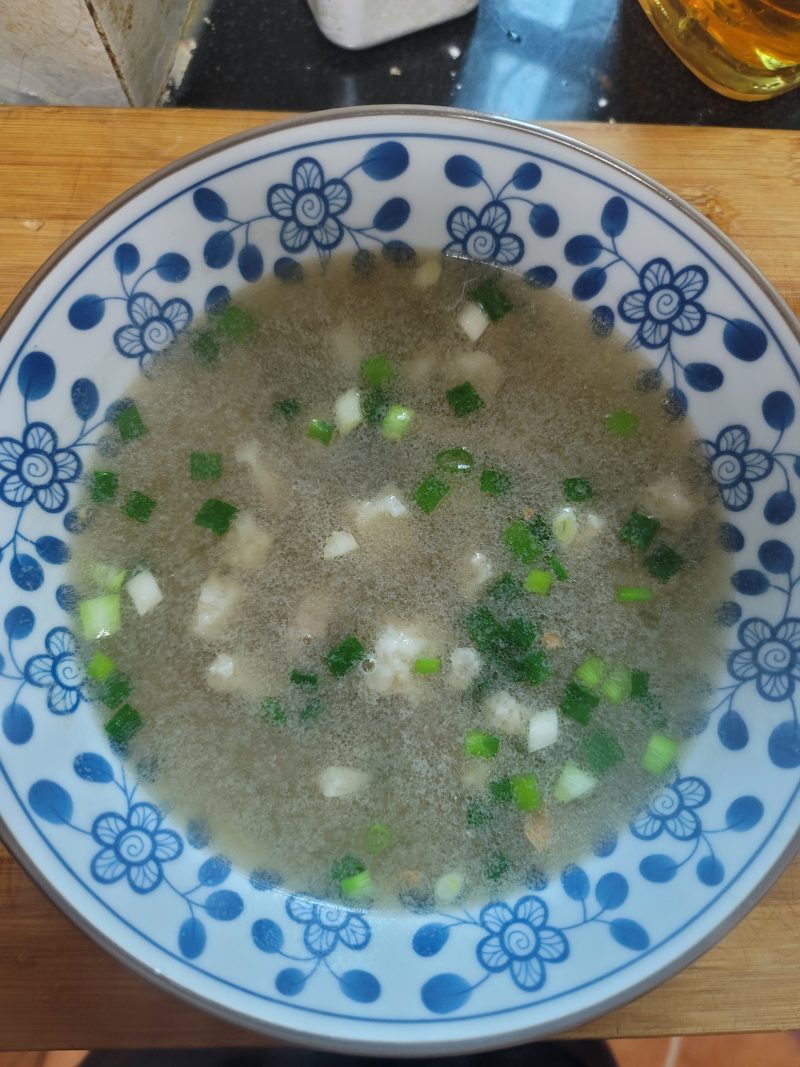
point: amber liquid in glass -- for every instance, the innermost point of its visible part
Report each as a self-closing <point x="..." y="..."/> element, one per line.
<point x="746" y="49"/>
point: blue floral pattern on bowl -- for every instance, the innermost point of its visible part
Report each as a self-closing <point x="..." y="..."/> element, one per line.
<point x="718" y="346"/>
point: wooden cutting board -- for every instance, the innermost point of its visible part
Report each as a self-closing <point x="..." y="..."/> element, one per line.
<point x="57" y="167"/>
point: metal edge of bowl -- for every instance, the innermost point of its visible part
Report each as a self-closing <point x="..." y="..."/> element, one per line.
<point x="297" y="1035"/>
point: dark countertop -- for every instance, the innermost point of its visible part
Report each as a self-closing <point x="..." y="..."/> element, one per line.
<point x="524" y="59"/>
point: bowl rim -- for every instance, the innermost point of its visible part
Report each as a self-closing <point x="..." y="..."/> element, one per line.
<point x="297" y="1034"/>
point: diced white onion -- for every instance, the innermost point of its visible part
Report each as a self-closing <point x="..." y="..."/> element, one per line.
<point x="565" y="526"/>
<point x="465" y="666"/>
<point x="542" y="729"/>
<point x="220" y="672"/>
<point x="218" y="596"/>
<point x="573" y="783"/>
<point x="342" y="781"/>
<point x="589" y="528"/>
<point x="473" y="320"/>
<point x="247" y="545"/>
<point x="393" y="660"/>
<point x="339" y="543"/>
<point x="345" y="345"/>
<point x="388" y="505"/>
<point x="477" y="569"/>
<point x="475" y="776"/>
<point x="477" y="367"/>
<point x="428" y="273"/>
<point x="536" y="828"/>
<point x="449" y="887"/>
<point x="144" y="591"/>
<point x="507" y="714"/>
<point x="347" y="411"/>
<point x="251" y="455"/>
<point x="668" y="500"/>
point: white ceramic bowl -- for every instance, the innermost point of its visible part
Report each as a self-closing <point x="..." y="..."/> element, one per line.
<point x="155" y="893"/>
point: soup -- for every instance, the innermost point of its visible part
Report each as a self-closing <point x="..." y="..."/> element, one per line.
<point x="401" y="580"/>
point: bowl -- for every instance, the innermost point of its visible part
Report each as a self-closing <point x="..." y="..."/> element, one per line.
<point x="155" y="892"/>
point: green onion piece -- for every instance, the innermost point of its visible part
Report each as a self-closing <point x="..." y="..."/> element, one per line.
<point x="122" y="726"/>
<point x="375" y="403"/>
<point x="525" y="789"/>
<point x="235" y="323"/>
<point x="639" y="530"/>
<point x="491" y="299"/>
<point x="346" y="867"/>
<point x="495" y="483"/>
<point x="633" y="594"/>
<point x="664" y="562"/>
<point x="659" y="755"/>
<point x="344" y="656"/>
<point x="396" y="422"/>
<point x="205" y="346"/>
<point x="100" y="616"/>
<point x="565" y="526"/>
<point x="496" y="867"/>
<point x="129" y="423"/>
<point x="478" y="813"/>
<point x="104" y="486"/>
<point x="138" y="506"/>
<point x="320" y="430"/>
<point x="501" y="790"/>
<point x="427" y="666"/>
<point x="313" y="709"/>
<point x="100" y="667"/>
<point x="601" y="750"/>
<point x="653" y="709"/>
<point x="506" y="589"/>
<point x="558" y="568"/>
<point x="578" y="703"/>
<point x="640" y="685"/>
<point x="308" y="680"/>
<point x="539" y="582"/>
<point x="455" y="460"/>
<point x="377" y="370"/>
<point x="573" y="783"/>
<point x="521" y="633"/>
<point x="107" y="577"/>
<point x="357" y="886"/>
<point x="464" y="400"/>
<point x="430" y="493"/>
<point x="521" y="541"/>
<point x="287" y="409"/>
<point x="215" y="515"/>
<point x="379" y="837"/>
<point x="616" y="686"/>
<point x="272" y="711"/>
<point x="591" y="672"/>
<point x="484" y="630"/>
<point x="536" y="667"/>
<point x="576" y="490"/>
<point x="622" y="423"/>
<point x="205" y="466"/>
<point x="115" y="690"/>
<point x="480" y="745"/>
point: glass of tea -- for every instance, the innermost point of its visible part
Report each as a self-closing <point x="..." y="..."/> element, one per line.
<point x="746" y="49"/>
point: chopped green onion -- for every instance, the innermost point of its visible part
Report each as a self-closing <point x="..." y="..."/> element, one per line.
<point x="205" y="466"/>
<point x="484" y="630"/>
<point x="129" y="423"/>
<point x="464" y="400"/>
<point x="427" y="666"/>
<point x="115" y="690"/>
<point x="591" y="672"/>
<point x="578" y="703"/>
<point x="235" y="323"/>
<point x="664" y="562"/>
<point x="396" y="422"/>
<point x="558" y="568"/>
<point x="521" y="633"/>
<point x="501" y="790"/>
<point x="573" y="783"/>
<point x="496" y="483"/>
<point x="379" y="837"/>
<point x="100" y="667"/>
<point x="377" y="370"/>
<point x="539" y="582"/>
<point x="633" y="594"/>
<point x="312" y="710"/>
<point x="375" y="403"/>
<point x="521" y="541"/>
<point x="449" y="887"/>
<point x="287" y="409"/>
<point x="344" y="656"/>
<point x="357" y="886"/>
<point x="478" y="813"/>
<point x="506" y="589"/>
<point x="104" y="486"/>
<point x="100" y="616"/>
<point x="205" y="346"/>
<point x="639" y="530"/>
<point x="496" y="867"/>
<point x="272" y="710"/>
<point x="616" y="686"/>
<point x="525" y="790"/>
<point x="308" y="680"/>
<point x="320" y="430"/>
<point x="577" y="490"/>
<point x="455" y="460"/>
<point x="138" y="506"/>
<point x="491" y="299"/>
<point x="601" y="750"/>
<point x="215" y="515"/>
<point x="346" y="867"/>
<point x="640" y="685"/>
<point x="480" y="745"/>
<point x="122" y="726"/>
<point x="622" y="423"/>
<point x="565" y="526"/>
<point x="536" y="667"/>
<point x="107" y="577"/>
<point x="430" y="493"/>
<point x="659" y="755"/>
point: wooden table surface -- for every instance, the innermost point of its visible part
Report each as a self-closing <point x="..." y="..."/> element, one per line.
<point x="58" y="166"/>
